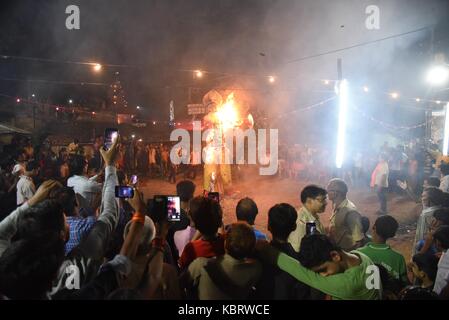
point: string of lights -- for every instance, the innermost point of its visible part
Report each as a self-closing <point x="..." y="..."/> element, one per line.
<point x="385" y="124"/>
<point x="307" y="108"/>
<point x="55" y="81"/>
<point x="395" y="95"/>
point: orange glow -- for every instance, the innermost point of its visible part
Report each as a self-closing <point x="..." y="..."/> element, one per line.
<point x="199" y="73"/>
<point x="226" y="115"/>
<point x="97" y="67"/>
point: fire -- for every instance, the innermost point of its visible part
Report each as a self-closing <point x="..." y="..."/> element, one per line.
<point x="226" y="115"/>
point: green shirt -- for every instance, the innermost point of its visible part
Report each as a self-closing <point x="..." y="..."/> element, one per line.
<point x="391" y="260"/>
<point x="348" y="285"/>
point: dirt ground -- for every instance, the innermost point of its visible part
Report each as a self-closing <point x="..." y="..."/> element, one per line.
<point x="268" y="191"/>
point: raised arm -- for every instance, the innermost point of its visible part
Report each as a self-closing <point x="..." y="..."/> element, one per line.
<point x="95" y="244"/>
<point x="8" y="227"/>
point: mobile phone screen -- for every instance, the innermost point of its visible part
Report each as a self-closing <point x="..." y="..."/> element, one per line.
<point x="173" y="208"/>
<point x="133" y="179"/>
<point x="110" y="135"/>
<point x="214" y="196"/>
<point x="124" y="192"/>
<point x="310" y="228"/>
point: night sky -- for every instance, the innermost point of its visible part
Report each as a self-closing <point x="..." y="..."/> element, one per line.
<point x="155" y="44"/>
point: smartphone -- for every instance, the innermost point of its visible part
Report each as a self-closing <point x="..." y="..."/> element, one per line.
<point x="110" y="135"/>
<point x="311" y="228"/>
<point x="166" y="207"/>
<point x="212" y="195"/>
<point x="134" y="179"/>
<point x="173" y="208"/>
<point x="124" y="192"/>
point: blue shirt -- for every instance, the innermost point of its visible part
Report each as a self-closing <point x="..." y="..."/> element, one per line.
<point x="79" y="227"/>
<point x="260" y="235"/>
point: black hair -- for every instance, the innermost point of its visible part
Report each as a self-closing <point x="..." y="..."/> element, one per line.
<point x="282" y="220"/>
<point x="246" y="210"/>
<point x="31" y="165"/>
<point x="76" y="165"/>
<point x="444" y="168"/>
<point x="312" y="191"/>
<point x="316" y="250"/>
<point x="386" y="227"/>
<point x="207" y="215"/>
<point x="44" y="218"/>
<point x="442" y="235"/>
<point x="240" y="240"/>
<point x="433" y="182"/>
<point x="427" y="263"/>
<point x="436" y="195"/>
<point x="365" y="224"/>
<point x="65" y="196"/>
<point x="442" y="215"/>
<point x="185" y="190"/>
<point x="29" y="266"/>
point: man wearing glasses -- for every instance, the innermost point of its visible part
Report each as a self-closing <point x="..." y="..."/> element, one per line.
<point x="314" y="201"/>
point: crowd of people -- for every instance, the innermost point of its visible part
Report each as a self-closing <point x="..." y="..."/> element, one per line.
<point x="68" y="237"/>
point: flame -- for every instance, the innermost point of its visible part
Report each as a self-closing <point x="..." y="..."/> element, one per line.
<point x="227" y="115"/>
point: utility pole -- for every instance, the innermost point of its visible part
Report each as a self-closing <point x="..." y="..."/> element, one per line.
<point x="339" y="69"/>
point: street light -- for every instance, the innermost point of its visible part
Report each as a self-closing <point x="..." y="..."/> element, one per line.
<point x="394" y="95"/>
<point x="271" y="79"/>
<point x="437" y="75"/>
<point x="365" y="88"/>
<point x="138" y="107"/>
<point x="33" y="95"/>
<point x="97" y="67"/>
<point x="199" y="74"/>
<point x="70" y="101"/>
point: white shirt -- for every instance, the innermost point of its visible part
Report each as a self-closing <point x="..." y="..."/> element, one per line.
<point x="296" y="236"/>
<point x="381" y="170"/>
<point x="442" y="278"/>
<point x="86" y="189"/>
<point x="18" y="169"/>
<point x="25" y="189"/>
<point x="183" y="237"/>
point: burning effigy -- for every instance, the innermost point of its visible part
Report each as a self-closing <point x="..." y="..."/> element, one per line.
<point x="223" y="117"/>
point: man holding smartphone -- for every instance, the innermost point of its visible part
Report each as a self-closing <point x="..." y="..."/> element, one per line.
<point x="314" y="201"/>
